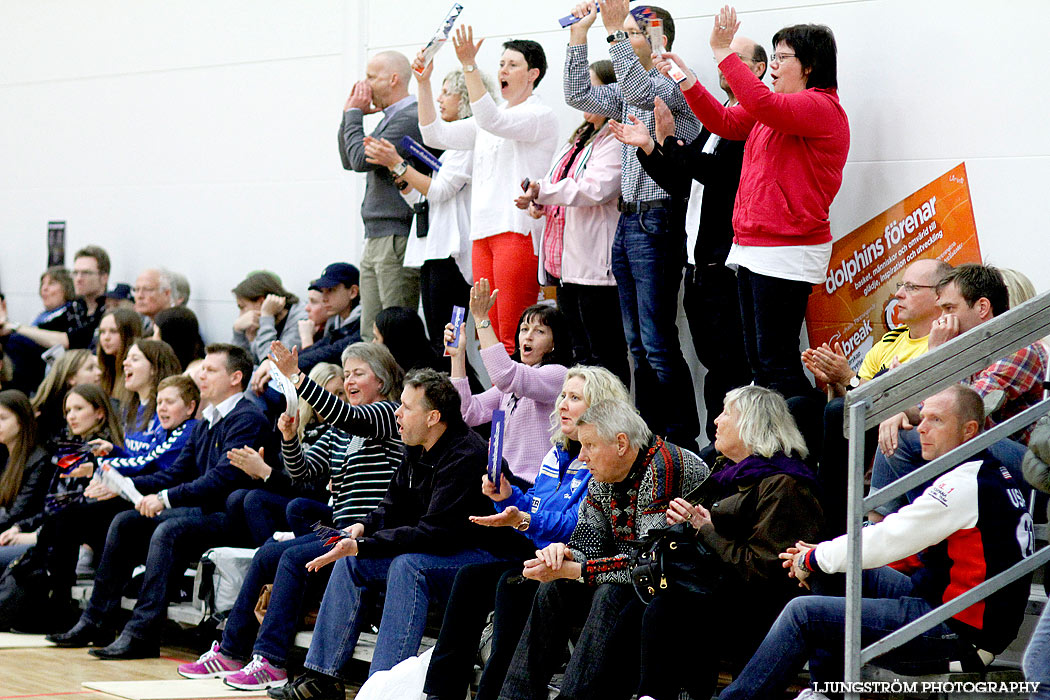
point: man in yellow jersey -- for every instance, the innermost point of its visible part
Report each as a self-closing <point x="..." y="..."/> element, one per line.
<point x="916" y="306"/>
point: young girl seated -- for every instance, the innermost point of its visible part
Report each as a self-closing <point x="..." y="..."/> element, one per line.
<point x="24" y="475"/>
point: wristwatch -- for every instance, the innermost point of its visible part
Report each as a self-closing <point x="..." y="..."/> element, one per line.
<point x="485" y="324"/>
<point x="470" y="69"/>
<point x="399" y="169"/>
<point x="294" y="379"/>
<point x="526" y="520"/>
<point x="854" y="381"/>
<point x="618" y="35"/>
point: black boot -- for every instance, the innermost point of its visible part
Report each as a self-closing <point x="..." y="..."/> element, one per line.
<point x="82" y="634"/>
<point x="128" y="647"/>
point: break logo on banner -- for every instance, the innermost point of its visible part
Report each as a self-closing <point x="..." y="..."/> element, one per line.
<point x="496" y="438"/>
<point x="856" y="304"/>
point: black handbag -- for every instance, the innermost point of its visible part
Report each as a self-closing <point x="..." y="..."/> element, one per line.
<point x="674" y="557"/>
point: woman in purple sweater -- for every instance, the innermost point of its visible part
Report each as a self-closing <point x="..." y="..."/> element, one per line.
<point x="525" y="384"/>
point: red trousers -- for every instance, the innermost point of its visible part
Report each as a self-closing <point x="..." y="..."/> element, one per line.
<point x="510" y="265"/>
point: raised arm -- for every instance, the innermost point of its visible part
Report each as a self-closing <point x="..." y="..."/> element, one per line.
<point x="352" y="131"/>
<point x="374" y="420"/>
<point x="580" y="94"/>
<point x="811" y="113"/>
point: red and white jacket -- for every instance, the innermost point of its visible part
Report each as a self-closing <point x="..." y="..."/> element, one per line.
<point x="970" y="525"/>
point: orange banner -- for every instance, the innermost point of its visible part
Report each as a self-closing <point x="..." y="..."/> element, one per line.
<point x="856" y="304"/>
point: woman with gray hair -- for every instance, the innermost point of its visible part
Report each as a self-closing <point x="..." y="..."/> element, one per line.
<point x="759" y="500"/>
<point x="359" y="453"/>
<point x="442" y="251"/>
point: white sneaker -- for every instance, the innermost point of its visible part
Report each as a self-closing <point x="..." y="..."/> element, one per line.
<point x="810" y="694"/>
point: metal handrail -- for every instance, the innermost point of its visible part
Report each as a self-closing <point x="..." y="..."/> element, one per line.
<point x="884" y="396"/>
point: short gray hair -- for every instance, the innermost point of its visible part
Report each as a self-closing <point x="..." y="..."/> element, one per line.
<point x="614" y="416"/>
<point x="383" y="365"/>
<point x="164" y="280"/>
<point x="457" y="84"/>
<point x="764" y="422"/>
<point x="180" y="288"/>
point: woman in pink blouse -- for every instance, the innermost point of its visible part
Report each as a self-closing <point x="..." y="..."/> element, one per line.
<point x="525" y="385"/>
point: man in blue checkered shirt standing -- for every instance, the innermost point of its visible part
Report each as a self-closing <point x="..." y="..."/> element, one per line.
<point x="648" y="252"/>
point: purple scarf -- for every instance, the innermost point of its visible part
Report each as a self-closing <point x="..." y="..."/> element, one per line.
<point x="754" y="468"/>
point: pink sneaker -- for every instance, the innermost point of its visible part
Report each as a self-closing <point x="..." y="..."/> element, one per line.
<point x="259" y="674"/>
<point x="212" y="664"/>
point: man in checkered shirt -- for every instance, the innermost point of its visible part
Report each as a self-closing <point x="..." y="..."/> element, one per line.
<point x="968" y="296"/>
<point x="648" y="252"/>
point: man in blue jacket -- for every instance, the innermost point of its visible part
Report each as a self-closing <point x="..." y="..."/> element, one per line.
<point x="182" y="517"/>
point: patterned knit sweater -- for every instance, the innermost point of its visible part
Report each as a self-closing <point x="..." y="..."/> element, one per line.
<point x="615" y="514"/>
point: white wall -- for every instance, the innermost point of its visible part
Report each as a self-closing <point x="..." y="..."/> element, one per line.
<point x="202" y="135"/>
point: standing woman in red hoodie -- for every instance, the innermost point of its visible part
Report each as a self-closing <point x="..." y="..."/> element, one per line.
<point x="797" y="137"/>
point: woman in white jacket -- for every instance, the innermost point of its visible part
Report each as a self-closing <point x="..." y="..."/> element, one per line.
<point x="512" y="141"/>
<point x="578" y="196"/>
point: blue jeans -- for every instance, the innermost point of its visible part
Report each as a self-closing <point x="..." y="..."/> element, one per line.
<point x="174" y="538"/>
<point x="258" y="513"/>
<point x="813" y="628"/>
<point x="303" y="513"/>
<point x="411" y="581"/>
<point x="1036" y="662"/>
<point x="908" y="457"/>
<point x="10" y="552"/>
<point x="648" y="255"/>
<point x="284" y="565"/>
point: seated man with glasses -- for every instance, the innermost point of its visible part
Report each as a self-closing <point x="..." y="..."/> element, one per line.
<point x="915" y="306"/>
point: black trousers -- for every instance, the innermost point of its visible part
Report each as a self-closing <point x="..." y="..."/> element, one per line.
<point x="62" y="534"/>
<point x="442" y="286"/>
<point x="167" y="542"/>
<point x="604" y="663"/>
<point x="477" y="589"/>
<point x="685" y="636"/>
<point x="596" y="322"/>
<point x="772" y="311"/>
<point x="712" y="306"/>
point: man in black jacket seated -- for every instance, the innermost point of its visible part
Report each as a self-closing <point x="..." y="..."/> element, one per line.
<point x="711" y="301"/>
<point x="182" y="517"/>
<point x="415" y="541"/>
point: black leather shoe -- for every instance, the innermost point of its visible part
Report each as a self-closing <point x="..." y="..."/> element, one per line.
<point x="82" y="634"/>
<point x="310" y="686"/>
<point x="128" y="647"/>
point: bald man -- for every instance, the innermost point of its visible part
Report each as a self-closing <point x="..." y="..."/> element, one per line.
<point x="711" y="302"/>
<point x="387" y="218"/>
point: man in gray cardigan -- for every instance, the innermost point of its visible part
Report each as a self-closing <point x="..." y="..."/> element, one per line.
<point x="387" y="218"/>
